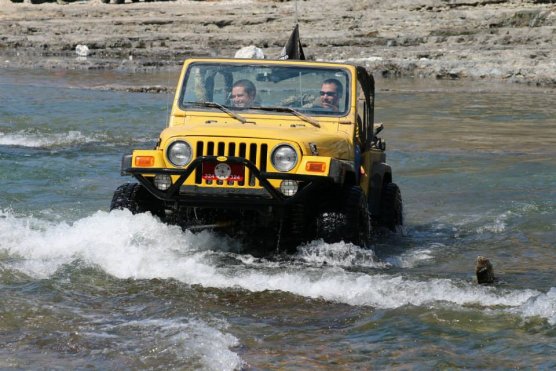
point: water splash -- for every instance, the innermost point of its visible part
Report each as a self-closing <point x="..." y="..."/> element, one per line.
<point x="338" y="254"/>
<point x="140" y="246"/>
<point x="543" y="305"/>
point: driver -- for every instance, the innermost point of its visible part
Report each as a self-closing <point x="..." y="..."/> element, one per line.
<point x="330" y="93"/>
<point x="243" y="93"/>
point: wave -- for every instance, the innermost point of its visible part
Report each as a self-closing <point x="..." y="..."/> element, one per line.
<point x="141" y="247"/>
<point x="193" y="342"/>
<point x="27" y="138"/>
<point x="34" y="139"/>
<point x="414" y="257"/>
<point x="490" y="222"/>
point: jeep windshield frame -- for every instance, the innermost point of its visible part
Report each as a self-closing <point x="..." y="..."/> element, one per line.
<point x="279" y="88"/>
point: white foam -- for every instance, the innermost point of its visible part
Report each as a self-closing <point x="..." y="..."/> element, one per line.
<point x="26" y="138"/>
<point x="140" y="246"/>
<point x="543" y="305"/>
<point x="122" y="244"/>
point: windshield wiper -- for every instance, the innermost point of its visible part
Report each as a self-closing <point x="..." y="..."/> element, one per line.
<point x="306" y="118"/>
<point x="221" y="108"/>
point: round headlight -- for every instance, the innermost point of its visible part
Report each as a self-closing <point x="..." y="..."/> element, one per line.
<point x="179" y="153"/>
<point x="284" y="158"/>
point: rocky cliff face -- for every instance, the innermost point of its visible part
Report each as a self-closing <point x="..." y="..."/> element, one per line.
<point x="511" y="40"/>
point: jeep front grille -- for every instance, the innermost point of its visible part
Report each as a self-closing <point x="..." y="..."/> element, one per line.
<point x="254" y="152"/>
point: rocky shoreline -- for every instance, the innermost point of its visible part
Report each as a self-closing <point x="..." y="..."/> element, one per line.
<point x="498" y="40"/>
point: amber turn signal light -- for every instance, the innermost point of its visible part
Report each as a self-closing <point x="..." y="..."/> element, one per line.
<point x="144" y="161"/>
<point x="316" y="167"/>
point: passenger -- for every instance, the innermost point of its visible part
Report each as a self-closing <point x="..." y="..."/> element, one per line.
<point x="243" y="93"/>
<point x="330" y="94"/>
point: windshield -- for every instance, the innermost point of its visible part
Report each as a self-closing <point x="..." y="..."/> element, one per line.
<point x="238" y="87"/>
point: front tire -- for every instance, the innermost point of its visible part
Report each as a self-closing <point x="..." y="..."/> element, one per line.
<point x="358" y="221"/>
<point x="297" y="227"/>
<point x="348" y="221"/>
<point x="135" y="198"/>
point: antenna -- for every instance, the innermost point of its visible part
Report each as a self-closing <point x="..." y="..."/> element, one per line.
<point x="296" y="16"/>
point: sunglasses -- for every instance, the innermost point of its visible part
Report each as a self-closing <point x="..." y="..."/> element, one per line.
<point x="328" y="93"/>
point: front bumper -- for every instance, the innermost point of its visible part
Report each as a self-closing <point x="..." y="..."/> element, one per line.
<point x="266" y="194"/>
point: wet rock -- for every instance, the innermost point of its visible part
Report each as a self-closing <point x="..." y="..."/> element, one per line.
<point x="484" y="271"/>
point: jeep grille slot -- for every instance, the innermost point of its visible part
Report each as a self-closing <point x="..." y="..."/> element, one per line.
<point x="253" y="158"/>
<point x="263" y="157"/>
<point x="254" y="152"/>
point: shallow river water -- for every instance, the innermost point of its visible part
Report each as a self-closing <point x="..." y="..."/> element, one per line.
<point x="81" y="287"/>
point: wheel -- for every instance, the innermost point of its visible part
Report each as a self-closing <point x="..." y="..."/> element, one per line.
<point x="357" y="229"/>
<point x="296" y="227"/>
<point x="348" y="220"/>
<point x="391" y="207"/>
<point x="135" y="198"/>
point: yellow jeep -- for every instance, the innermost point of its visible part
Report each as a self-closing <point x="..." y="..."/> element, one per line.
<point x="282" y="151"/>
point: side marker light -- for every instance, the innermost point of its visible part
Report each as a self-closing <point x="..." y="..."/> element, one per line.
<point x="315" y="167"/>
<point x="144" y="161"/>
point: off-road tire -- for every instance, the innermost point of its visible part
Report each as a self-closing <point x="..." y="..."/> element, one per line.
<point x="135" y="198"/>
<point x="348" y="221"/>
<point x="391" y="207"/>
<point x="357" y="228"/>
<point x="297" y="227"/>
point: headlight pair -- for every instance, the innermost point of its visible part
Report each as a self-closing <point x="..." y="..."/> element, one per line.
<point x="284" y="157"/>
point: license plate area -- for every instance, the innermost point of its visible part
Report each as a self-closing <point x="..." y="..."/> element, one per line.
<point x="223" y="171"/>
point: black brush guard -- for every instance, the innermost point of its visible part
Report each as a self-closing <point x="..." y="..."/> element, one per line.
<point x="219" y="197"/>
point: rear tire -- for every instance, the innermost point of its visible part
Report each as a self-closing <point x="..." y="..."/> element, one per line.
<point x="391" y="207"/>
<point x="135" y="198"/>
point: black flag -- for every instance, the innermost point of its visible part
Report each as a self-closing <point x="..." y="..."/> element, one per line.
<point x="293" y="49"/>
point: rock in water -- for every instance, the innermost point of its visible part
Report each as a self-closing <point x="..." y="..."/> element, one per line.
<point x="484" y="270"/>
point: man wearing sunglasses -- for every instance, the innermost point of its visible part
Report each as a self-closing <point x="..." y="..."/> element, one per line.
<point x="330" y="94"/>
